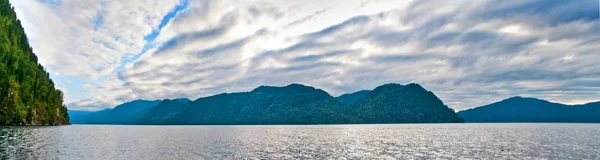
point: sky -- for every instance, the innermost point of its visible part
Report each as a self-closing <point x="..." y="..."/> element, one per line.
<point x="101" y="53"/>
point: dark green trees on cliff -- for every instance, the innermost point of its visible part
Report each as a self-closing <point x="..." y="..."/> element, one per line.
<point x="27" y="94"/>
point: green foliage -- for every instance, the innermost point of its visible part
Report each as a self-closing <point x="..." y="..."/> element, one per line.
<point x="27" y="94"/>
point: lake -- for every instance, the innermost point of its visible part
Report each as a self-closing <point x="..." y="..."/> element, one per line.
<point x="398" y="141"/>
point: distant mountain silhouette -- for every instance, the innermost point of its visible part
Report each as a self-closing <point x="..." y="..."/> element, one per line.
<point x="520" y="109"/>
<point x="292" y="104"/>
<point x="352" y="98"/>
<point x="126" y="113"/>
<point x="79" y="117"/>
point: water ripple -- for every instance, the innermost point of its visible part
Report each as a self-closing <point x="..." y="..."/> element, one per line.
<point x="406" y="141"/>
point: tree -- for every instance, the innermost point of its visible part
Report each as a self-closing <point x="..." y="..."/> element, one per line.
<point x="27" y="94"/>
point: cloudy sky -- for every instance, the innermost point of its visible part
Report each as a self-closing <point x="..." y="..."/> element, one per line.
<point x="102" y="53"/>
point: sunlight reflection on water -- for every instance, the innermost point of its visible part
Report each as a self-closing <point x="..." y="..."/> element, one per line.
<point x="420" y="141"/>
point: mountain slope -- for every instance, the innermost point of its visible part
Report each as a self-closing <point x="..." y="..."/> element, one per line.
<point x="27" y="94"/>
<point x="352" y="98"/>
<point x="519" y="109"/>
<point x="395" y="103"/>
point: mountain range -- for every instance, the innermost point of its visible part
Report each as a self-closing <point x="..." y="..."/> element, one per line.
<point x="291" y="104"/>
<point x="300" y="104"/>
<point x="522" y="109"/>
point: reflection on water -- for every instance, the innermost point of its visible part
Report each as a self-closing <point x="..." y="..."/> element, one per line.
<point x="420" y="141"/>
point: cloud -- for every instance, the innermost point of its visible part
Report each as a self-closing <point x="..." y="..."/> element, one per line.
<point x="468" y="53"/>
<point x="94" y="36"/>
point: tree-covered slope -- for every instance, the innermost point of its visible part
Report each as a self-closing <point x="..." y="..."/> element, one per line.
<point x="395" y="103"/>
<point x="521" y="109"/>
<point x="352" y="98"/>
<point x="27" y="94"/>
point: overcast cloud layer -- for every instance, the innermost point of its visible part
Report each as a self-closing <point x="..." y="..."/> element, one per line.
<point x="469" y="53"/>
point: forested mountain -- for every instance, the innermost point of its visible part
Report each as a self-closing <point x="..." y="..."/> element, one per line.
<point x="352" y="98"/>
<point x="395" y="103"/>
<point x="299" y="104"/>
<point x="27" y="94"/>
<point x="520" y="109"/>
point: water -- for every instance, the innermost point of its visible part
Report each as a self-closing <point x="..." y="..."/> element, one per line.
<point x="404" y="141"/>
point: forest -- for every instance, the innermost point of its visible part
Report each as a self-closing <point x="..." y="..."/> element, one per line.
<point x="27" y="94"/>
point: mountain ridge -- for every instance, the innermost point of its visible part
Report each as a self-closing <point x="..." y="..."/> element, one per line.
<point x="291" y="104"/>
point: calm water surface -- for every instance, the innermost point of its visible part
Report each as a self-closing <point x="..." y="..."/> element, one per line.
<point x="404" y="141"/>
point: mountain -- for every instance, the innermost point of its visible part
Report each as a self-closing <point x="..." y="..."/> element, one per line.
<point x="352" y="98"/>
<point x="395" y="103"/>
<point x="520" y="109"/>
<point x="291" y="104"/>
<point x="27" y="94"/>
<point x="166" y="109"/>
<point x="126" y="113"/>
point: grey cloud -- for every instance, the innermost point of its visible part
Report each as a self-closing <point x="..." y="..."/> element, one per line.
<point x="462" y="55"/>
<point x="307" y="17"/>
<point x="336" y="28"/>
<point x="181" y="39"/>
<point x="316" y="57"/>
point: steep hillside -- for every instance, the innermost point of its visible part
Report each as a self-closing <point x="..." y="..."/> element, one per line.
<point x="27" y="94"/>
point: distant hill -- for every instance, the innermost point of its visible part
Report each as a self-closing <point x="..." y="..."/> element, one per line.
<point x="27" y="94"/>
<point x="520" y="109"/>
<point x="292" y="104"/>
<point x="352" y="98"/>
